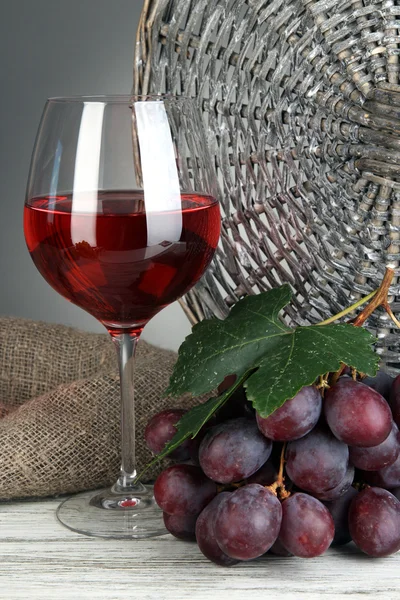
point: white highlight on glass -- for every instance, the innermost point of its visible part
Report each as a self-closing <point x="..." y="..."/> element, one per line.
<point x="87" y="168"/>
<point x="159" y="172"/>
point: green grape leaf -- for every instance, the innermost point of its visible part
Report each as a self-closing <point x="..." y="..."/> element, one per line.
<point x="283" y="360"/>
<point x="272" y="360"/>
<point x="191" y="422"/>
<point x="218" y="348"/>
<point x="304" y="355"/>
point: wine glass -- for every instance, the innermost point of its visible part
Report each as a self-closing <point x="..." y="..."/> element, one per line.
<point x="121" y="218"/>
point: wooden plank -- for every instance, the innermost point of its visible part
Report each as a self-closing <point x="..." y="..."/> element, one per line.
<point x="39" y="559"/>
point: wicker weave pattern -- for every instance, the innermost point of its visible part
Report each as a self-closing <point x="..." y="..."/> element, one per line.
<point x="302" y="103"/>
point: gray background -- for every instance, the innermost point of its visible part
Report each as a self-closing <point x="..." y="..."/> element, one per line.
<point x="53" y="48"/>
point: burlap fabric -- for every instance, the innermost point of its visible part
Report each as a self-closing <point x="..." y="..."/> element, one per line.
<point x="60" y="407"/>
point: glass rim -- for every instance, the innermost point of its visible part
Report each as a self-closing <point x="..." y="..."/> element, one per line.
<point x="119" y="98"/>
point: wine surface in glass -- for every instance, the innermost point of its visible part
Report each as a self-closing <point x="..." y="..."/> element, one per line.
<point x="120" y="263"/>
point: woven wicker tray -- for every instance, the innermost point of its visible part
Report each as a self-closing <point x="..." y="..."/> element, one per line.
<point x="301" y="100"/>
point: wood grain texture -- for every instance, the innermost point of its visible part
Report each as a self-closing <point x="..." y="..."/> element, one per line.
<point x="39" y="559"/>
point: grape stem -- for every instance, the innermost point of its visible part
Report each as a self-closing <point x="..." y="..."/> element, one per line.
<point x="349" y="309"/>
<point x="378" y="298"/>
<point x="280" y="480"/>
<point x="278" y="488"/>
<point x="323" y="383"/>
<point x="389" y="311"/>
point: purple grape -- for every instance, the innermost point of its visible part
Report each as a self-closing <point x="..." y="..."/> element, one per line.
<point x="377" y="457"/>
<point x="181" y="526"/>
<point x="266" y="475"/>
<point x="233" y="451"/>
<point x="374" y="522"/>
<point x="307" y="526"/>
<point x="340" y="489"/>
<point x="183" y="490"/>
<point x="388" y="477"/>
<point x="394" y="400"/>
<point x="205" y="534"/>
<point x="279" y="550"/>
<point x="357" y="414"/>
<point x="339" y="509"/>
<point x="161" y="429"/>
<point x="226" y="384"/>
<point x="295" y="418"/>
<point x="317" y="462"/>
<point x="247" y="523"/>
<point x="382" y="383"/>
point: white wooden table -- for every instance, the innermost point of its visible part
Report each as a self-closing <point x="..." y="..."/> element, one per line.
<point x="39" y="559"/>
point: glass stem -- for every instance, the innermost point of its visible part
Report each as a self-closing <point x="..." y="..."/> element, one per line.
<point x="126" y="344"/>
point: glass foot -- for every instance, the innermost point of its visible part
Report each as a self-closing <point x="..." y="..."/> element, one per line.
<point x="111" y="514"/>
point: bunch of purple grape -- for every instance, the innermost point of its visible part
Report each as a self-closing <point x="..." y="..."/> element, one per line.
<point x="342" y="474"/>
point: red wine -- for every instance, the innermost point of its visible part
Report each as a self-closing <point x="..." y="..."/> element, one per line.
<point x="121" y="264"/>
